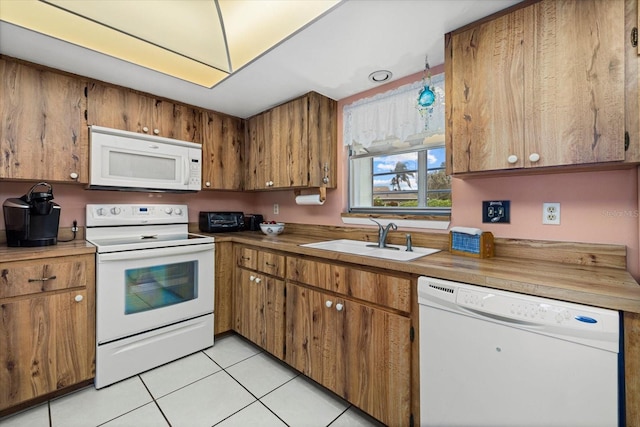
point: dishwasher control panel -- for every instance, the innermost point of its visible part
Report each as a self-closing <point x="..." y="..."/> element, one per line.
<point x="543" y="315"/>
<point x="512" y="307"/>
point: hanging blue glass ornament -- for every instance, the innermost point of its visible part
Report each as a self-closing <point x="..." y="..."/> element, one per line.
<point x="426" y="98"/>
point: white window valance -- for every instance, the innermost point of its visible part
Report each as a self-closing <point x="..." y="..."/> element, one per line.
<point x="394" y="115"/>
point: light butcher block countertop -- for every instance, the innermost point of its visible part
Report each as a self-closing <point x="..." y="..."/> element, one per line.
<point x="581" y="273"/>
<point x="596" y="275"/>
<point x="77" y="247"/>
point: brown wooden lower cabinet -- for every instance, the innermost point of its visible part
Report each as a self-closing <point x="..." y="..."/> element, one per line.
<point x="348" y="329"/>
<point x="47" y="332"/>
<point x="360" y="352"/>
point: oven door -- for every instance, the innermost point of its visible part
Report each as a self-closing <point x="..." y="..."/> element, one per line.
<point x="137" y="291"/>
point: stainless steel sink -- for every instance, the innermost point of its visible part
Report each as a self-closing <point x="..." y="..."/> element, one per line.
<point x="357" y="247"/>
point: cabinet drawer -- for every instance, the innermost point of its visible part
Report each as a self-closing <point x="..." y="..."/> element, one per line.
<point x="30" y="277"/>
<point x="271" y="263"/>
<point x="246" y="257"/>
<point x="390" y="291"/>
<point x="262" y="261"/>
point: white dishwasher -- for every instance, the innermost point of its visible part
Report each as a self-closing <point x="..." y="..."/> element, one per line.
<point x="496" y="358"/>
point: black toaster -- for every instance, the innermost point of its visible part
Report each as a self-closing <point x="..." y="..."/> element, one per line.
<point x="252" y="222"/>
<point x="220" y="222"/>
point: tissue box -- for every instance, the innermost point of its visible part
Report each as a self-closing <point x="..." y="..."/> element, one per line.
<point x="477" y="246"/>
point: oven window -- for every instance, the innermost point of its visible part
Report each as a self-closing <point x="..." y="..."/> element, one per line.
<point x="159" y="286"/>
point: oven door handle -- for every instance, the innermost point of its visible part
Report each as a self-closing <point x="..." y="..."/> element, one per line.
<point x="155" y="253"/>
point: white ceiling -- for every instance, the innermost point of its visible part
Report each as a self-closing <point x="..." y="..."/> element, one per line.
<point x="332" y="56"/>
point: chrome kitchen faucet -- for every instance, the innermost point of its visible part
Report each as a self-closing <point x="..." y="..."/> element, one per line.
<point x="382" y="234"/>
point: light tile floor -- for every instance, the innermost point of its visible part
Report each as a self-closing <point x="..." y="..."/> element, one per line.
<point x="233" y="383"/>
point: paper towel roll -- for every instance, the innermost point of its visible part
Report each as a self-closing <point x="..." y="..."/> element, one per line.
<point x="310" y="199"/>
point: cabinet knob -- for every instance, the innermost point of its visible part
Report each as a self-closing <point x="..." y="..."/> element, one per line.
<point x="252" y="278"/>
<point x="258" y="280"/>
<point x="534" y="157"/>
<point x="156" y="131"/>
<point x="339" y="307"/>
<point x="78" y="298"/>
<point x="328" y="304"/>
<point x="512" y="159"/>
<point x="145" y="129"/>
<point x="73" y="175"/>
<point x="207" y="184"/>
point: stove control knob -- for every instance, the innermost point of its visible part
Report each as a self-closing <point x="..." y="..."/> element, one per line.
<point x="168" y="210"/>
<point x="178" y="211"/>
<point x="100" y="212"/>
<point x="116" y="210"/>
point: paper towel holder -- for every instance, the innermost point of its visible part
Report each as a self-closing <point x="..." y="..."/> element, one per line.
<point x="322" y="191"/>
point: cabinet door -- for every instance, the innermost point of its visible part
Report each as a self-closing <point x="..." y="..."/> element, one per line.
<point x="574" y="82"/>
<point x="313" y="344"/>
<point x="256" y="170"/>
<point x="51" y="351"/>
<point x="376" y="348"/>
<point x="277" y="154"/>
<point x="177" y="121"/>
<point x="118" y="108"/>
<point x="323" y="141"/>
<point x="222" y="152"/>
<point x="223" y="298"/>
<point x="487" y="102"/>
<point x="289" y="145"/>
<point x="259" y="310"/>
<point x="43" y="135"/>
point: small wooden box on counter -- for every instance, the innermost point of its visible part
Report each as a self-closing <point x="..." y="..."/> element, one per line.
<point x="477" y="246"/>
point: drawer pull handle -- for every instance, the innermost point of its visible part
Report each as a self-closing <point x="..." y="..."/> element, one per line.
<point x="246" y="258"/>
<point x="270" y="265"/>
<point x="44" y="279"/>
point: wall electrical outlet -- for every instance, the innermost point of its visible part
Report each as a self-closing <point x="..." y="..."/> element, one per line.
<point x="551" y="213"/>
<point x="498" y="211"/>
<point x="276" y="209"/>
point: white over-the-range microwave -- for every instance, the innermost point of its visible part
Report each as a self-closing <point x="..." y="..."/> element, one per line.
<point x="121" y="160"/>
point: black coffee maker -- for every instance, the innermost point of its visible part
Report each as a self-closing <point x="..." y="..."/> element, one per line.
<point x="33" y="219"/>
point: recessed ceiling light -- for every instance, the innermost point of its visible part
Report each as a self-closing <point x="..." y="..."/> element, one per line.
<point x="380" y="76"/>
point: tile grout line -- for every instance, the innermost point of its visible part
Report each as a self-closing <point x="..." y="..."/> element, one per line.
<point x="248" y="391"/>
<point x="155" y="401"/>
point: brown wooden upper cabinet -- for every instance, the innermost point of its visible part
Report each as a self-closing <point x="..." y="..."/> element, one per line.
<point x="293" y="145"/>
<point x="543" y="85"/>
<point x="42" y="134"/>
<point x="121" y="108"/>
<point x="222" y="151"/>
